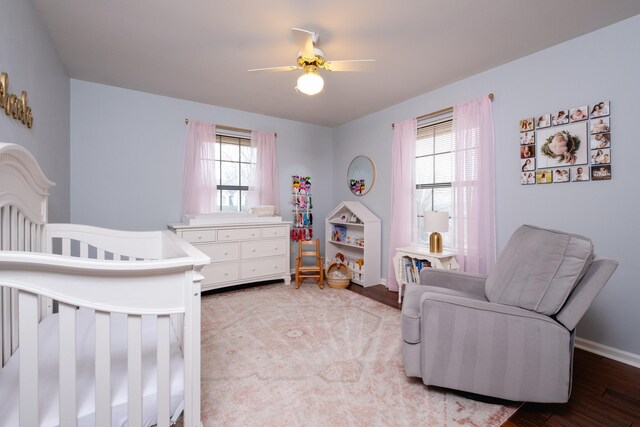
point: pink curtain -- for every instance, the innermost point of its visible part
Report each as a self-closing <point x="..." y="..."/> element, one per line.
<point x="474" y="186"/>
<point x="403" y="192"/>
<point x="264" y="188"/>
<point x="199" y="193"/>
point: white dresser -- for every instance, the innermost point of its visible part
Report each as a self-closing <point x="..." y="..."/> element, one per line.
<point x="240" y="253"/>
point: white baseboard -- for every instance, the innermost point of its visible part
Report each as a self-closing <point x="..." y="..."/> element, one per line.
<point x="610" y="352"/>
<point x="383" y="282"/>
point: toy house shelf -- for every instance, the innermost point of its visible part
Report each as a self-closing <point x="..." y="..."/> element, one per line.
<point x="354" y="231"/>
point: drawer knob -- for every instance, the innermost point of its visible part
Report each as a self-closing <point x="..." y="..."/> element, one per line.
<point x="226" y="235"/>
<point x="226" y="274"/>
<point x="253" y="269"/>
<point x="199" y="237"/>
<point x="253" y="250"/>
<point x="226" y="253"/>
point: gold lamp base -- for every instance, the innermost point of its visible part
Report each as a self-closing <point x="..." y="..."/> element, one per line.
<point x="435" y="242"/>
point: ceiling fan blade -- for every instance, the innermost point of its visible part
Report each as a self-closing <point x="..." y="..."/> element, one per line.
<point x="287" y="68"/>
<point x="348" y="65"/>
<point x="305" y="41"/>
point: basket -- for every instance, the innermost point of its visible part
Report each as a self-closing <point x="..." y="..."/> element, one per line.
<point x="338" y="281"/>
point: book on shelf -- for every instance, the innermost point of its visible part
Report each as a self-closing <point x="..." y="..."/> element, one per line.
<point x="339" y="233"/>
<point x="413" y="267"/>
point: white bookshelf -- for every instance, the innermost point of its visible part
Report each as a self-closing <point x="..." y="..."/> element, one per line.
<point x="367" y="227"/>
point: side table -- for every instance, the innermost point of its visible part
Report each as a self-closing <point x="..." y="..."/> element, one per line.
<point x="445" y="260"/>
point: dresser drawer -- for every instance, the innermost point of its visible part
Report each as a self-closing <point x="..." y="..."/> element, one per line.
<point x="263" y="248"/>
<point x="219" y="252"/>
<point x="268" y="232"/>
<point x="219" y="273"/>
<point x="198" y="236"/>
<point x="262" y="267"/>
<point x="238" y="234"/>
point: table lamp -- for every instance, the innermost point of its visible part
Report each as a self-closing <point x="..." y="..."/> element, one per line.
<point x="436" y="222"/>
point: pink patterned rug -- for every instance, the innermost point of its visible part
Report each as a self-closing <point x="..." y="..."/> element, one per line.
<point x="276" y="355"/>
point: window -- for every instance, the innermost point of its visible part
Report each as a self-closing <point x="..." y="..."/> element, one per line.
<point x="434" y="143"/>
<point x="234" y="158"/>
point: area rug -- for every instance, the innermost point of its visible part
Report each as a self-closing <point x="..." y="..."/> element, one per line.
<point x="278" y="356"/>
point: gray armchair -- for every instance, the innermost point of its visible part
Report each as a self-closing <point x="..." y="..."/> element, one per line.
<point x="510" y="334"/>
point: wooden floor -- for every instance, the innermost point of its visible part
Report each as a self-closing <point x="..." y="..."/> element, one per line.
<point x="605" y="392"/>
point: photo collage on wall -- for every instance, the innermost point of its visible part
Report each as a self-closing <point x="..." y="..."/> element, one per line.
<point x="569" y="145"/>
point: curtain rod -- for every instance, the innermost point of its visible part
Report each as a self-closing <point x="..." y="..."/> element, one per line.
<point x="437" y="113"/>
<point x="229" y="128"/>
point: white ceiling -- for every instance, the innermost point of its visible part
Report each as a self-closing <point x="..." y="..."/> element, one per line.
<point x="200" y="50"/>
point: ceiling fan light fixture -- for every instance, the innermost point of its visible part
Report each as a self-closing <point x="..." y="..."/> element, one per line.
<point x="310" y="83"/>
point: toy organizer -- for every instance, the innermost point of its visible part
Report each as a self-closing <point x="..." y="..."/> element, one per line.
<point x="302" y="205"/>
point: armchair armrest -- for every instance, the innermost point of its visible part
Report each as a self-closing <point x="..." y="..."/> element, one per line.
<point x="459" y="281"/>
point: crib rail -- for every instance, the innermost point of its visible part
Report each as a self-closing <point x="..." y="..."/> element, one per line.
<point x="155" y="294"/>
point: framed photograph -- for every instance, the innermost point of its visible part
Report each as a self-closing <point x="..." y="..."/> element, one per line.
<point x="600" y="140"/>
<point x="599" y="109"/>
<point x="600" y="125"/>
<point x="562" y="146"/>
<point x="527" y="178"/>
<point x="353" y="218"/>
<point x="344" y="217"/>
<point x="543" y="176"/>
<point x="561" y="175"/>
<point x="578" y="114"/>
<point x="527" y="138"/>
<point x="543" y="121"/>
<point x="601" y="156"/>
<point x="560" y="118"/>
<point x="526" y="124"/>
<point x="601" y="172"/>
<point x="579" y="173"/>
<point x="527" y="151"/>
<point x="528" y="165"/>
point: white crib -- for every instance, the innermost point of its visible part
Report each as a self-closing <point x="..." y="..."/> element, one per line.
<point x="64" y="278"/>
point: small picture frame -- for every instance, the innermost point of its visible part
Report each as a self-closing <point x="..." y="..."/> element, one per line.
<point x="560" y="118"/>
<point x="561" y="175"/>
<point x="544" y="176"/>
<point x="600" y="172"/>
<point x="527" y="138"/>
<point x="600" y="125"/>
<point x="527" y="178"/>
<point x="579" y="174"/>
<point x="526" y="124"/>
<point x="527" y="151"/>
<point x="528" y="165"/>
<point x="353" y="219"/>
<point x="601" y="156"/>
<point x="599" y="109"/>
<point x="344" y="217"/>
<point x="600" y="140"/>
<point x="543" y="121"/>
<point x="578" y="114"/>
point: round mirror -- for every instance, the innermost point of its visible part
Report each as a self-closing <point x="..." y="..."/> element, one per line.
<point x="361" y="175"/>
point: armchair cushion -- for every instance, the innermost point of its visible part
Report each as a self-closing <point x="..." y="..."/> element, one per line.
<point x="538" y="269"/>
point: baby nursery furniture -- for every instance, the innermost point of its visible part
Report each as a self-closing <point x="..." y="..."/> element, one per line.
<point x="509" y="334"/>
<point x="97" y="327"/>
<point x="244" y="248"/>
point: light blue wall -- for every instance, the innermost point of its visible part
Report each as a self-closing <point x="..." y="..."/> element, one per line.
<point x="33" y="65"/>
<point x="601" y="65"/>
<point x="127" y="151"/>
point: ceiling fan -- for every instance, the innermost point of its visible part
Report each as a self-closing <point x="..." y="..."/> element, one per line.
<point x="311" y="59"/>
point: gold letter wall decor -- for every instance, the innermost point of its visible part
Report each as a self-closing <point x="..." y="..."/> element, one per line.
<point x="12" y="105"/>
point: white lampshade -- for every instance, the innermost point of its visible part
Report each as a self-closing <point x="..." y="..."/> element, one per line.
<point x="310" y="83"/>
<point x="436" y="221"/>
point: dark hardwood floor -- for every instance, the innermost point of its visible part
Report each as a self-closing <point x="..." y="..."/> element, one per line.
<point x="605" y="392"/>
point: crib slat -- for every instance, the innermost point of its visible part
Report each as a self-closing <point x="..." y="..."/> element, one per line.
<point x="68" y="405"/>
<point x="84" y="250"/>
<point x="103" y="369"/>
<point x="134" y="369"/>
<point x="164" y="394"/>
<point x="14" y="226"/>
<point x="66" y="247"/>
<point x="28" y="318"/>
<point x="6" y="324"/>
<point x="27" y="235"/>
<point x="99" y="253"/>
<point x="15" y="339"/>
<point x="20" y="235"/>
